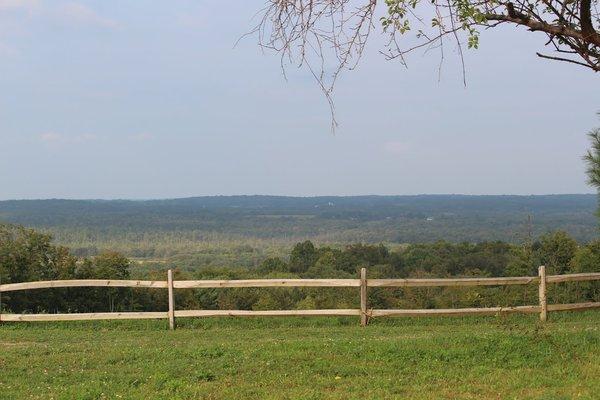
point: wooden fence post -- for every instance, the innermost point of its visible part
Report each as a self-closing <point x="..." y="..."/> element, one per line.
<point x="542" y="294"/>
<point x="364" y="320"/>
<point x="171" y="299"/>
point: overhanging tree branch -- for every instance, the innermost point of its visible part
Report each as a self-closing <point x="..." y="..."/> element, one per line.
<point x="561" y="30"/>
<point x="317" y="32"/>
<point x="563" y="59"/>
<point x="587" y="27"/>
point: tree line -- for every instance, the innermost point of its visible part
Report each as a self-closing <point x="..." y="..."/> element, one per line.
<point x="29" y="255"/>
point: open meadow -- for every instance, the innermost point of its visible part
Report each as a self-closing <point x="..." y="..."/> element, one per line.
<point x="506" y="357"/>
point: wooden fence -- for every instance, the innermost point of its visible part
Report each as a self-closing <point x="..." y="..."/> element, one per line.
<point x="363" y="283"/>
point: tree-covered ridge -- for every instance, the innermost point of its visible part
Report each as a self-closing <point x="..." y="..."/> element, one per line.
<point x="204" y="225"/>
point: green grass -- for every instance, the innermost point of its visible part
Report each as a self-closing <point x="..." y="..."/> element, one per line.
<point x="313" y="358"/>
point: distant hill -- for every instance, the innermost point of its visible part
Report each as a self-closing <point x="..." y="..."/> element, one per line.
<point x="401" y="219"/>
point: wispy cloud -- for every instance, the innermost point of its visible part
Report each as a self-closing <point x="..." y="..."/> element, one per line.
<point x="14" y="17"/>
<point x="80" y="14"/>
<point x="50" y="137"/>
<point x="142" y="137"/>
<point x="86" y="137"/>
<point x="395" y="147"/>
<point x="17" y="18"/>
<point x="53" y="137"/>
<point x="29" y="6"/>
<point x="67" y="12"/>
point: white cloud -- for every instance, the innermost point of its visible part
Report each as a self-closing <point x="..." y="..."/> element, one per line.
<point x="14" y="18"/>
<point x="61" y="138"/>
<point x="70" y="12"/>
<point x="50" y="137"/>
<point x="80" y="14"/>
<point x="395" y="147"/>
<point x="142" y="137"/>
<point x="18" y="17"/>
<point x="29" y="6"/>
<point x="53" y="137"/>
<point x="86" y="137"/>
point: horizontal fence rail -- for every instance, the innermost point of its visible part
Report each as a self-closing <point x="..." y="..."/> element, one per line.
<point x="267" y="283"/>
<point x="590" y="276"/>
<point x="363" y="283"/>
<point x="10" y="287"/>
<point x="522" y="280"/>
<point x="455" y="311"/>
<point x="83" y="316"/>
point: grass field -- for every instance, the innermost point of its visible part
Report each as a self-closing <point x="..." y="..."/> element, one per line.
<point x="314" y="358"/>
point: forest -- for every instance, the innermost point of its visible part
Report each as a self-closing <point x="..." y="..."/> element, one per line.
<point x="241" y="231"/>
<point x="29" y="255"/>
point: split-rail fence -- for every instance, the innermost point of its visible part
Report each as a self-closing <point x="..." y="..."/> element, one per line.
<point x="542" y="280"/>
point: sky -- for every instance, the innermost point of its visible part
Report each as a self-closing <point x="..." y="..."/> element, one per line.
<point x="129" y="99"/>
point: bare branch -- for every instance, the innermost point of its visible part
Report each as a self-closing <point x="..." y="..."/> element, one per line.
<point x="563" y="59"/>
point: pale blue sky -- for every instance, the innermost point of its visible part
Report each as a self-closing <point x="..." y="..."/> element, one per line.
<point x="131" y="99"/>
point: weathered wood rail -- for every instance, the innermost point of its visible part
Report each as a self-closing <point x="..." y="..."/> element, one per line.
<point x="362" y="282"/>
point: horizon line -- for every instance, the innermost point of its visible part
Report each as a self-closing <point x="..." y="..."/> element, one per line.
<point x="287" y="196"/>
